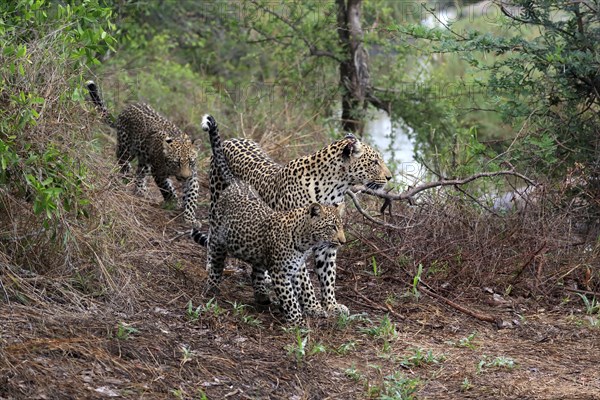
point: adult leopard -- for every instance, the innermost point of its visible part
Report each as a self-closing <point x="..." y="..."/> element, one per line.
<point x="160" y="147"/>
<point x="244" y="226"/>
<point x="322" y="177"/>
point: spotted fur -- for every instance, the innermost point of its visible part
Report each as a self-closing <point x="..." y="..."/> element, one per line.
<point x="160" y="147"/>
<point x="244" y="226"/>
<point x="322" y="177"/>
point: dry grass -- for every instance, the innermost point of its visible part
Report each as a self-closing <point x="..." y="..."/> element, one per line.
<point x="95" y="307"/>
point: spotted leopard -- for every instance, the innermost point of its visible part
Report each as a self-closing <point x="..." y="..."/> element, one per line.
<point x="160" y="147"/>
<point x="322" y="177"/>
<point x="244" y="226"/>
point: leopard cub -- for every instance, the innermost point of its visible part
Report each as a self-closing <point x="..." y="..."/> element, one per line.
<point x="160" y="147"/>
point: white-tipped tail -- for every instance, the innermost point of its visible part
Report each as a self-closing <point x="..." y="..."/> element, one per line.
<point x="206" y="122"/>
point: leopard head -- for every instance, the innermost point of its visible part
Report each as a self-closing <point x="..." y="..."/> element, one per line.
<point x="180" y="156"/>
<point x="325" y="223"/>
<point x="364" y="164"/>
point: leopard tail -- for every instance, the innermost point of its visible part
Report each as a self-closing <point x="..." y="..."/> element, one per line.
<point x="97" y="100"/>
<point x="200" y="237"/>
<point x="210" y="125"/>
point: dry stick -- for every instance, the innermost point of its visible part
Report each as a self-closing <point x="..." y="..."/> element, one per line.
<point x="581" y="291"/>
<point x="445" y="182"/>
<point x="361" y="210"/>
<point x="474" y="314"/>
<point x="422" y="284"/>
<point x="376" y="306"/>
<point x="529" y="260"/>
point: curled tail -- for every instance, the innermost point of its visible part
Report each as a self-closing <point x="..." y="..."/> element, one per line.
<point x="210" y="125"/>
<point x="97" y="100"/>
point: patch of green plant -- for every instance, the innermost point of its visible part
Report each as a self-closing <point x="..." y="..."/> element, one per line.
<point x="211" y="308"/>
<point x="298" y="349"/>
<point x="241" y="311"/>
<point x="345" y="320"/>
<point x="251" y="320"/>
<point x="317" y="348"/>
<point x="391" y="299"/>
<point x="415" y="285"/>
<point x="398" y="386"/>
<point x="496" y="362"/>
<point x="420" y="357"/>
<point x="438" y="268"/>
<point x="187" y="355"/>
<point x="467" y="342"/>
<point x="386" y="329"/>
<point x="178" y="393"/>
<point x="345" y="348"/>
<point x="591" y="306"/>
<point x="466" y="385"/>
<point x="354" y="374"/>
<point x="375" y="269"/>
<point x="125" y="331"/>
<point x="170" y="205"/>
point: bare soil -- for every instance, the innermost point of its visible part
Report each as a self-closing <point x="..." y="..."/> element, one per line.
<point x="139" y="341"/>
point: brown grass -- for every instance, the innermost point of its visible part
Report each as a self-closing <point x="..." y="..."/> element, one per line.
<point x="69" y="292"/>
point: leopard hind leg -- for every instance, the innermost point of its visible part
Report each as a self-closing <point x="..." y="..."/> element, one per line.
<point x="215" y="264"/>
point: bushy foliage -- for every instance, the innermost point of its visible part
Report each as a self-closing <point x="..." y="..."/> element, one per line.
<point x="542" y="80"/>
<point x="46" y="47"/>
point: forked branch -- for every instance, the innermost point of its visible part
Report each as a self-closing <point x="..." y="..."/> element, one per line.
<point x="409" y="193"/>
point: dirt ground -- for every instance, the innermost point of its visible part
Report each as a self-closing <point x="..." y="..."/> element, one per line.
<point x="153" y="345"/>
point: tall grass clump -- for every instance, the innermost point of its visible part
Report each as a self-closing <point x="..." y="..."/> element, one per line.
<point x="60" y="222"/>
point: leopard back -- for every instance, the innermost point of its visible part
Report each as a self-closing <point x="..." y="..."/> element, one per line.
<point x="322" y="177"/>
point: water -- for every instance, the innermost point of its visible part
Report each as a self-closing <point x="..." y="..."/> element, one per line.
<point x="395" y="145"/>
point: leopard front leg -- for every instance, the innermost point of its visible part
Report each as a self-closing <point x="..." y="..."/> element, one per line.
<point x="123" y="155"/>
<point x="166" y="187"/>
<point x="326" y="269"/>
<point x="190" y="200"/>
<point x="306" y="293"/>
<point x="284" y="290"/>
<point x="143" y="170"/>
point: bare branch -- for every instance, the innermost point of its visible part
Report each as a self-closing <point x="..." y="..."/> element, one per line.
<point x="361" y="210"/>
<point x="311" y="47"/>
<point x="407" y="194"/>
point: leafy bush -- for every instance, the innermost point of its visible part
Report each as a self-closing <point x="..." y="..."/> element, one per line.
<point x="542" y="79"/>
<point x="46" y="49"/>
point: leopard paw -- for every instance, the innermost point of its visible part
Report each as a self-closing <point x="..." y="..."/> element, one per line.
<point x="338" y="309"/>
<point x="317" y="311"/>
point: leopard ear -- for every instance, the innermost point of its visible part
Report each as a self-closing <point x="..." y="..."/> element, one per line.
<point x="353" y="148"/>
<point x="168" y="140"/>
<point x="341" y="207"/>
<point x="315" y="210"/>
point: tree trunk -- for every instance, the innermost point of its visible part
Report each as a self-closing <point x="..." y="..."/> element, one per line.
<point x="354" y="69"/>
